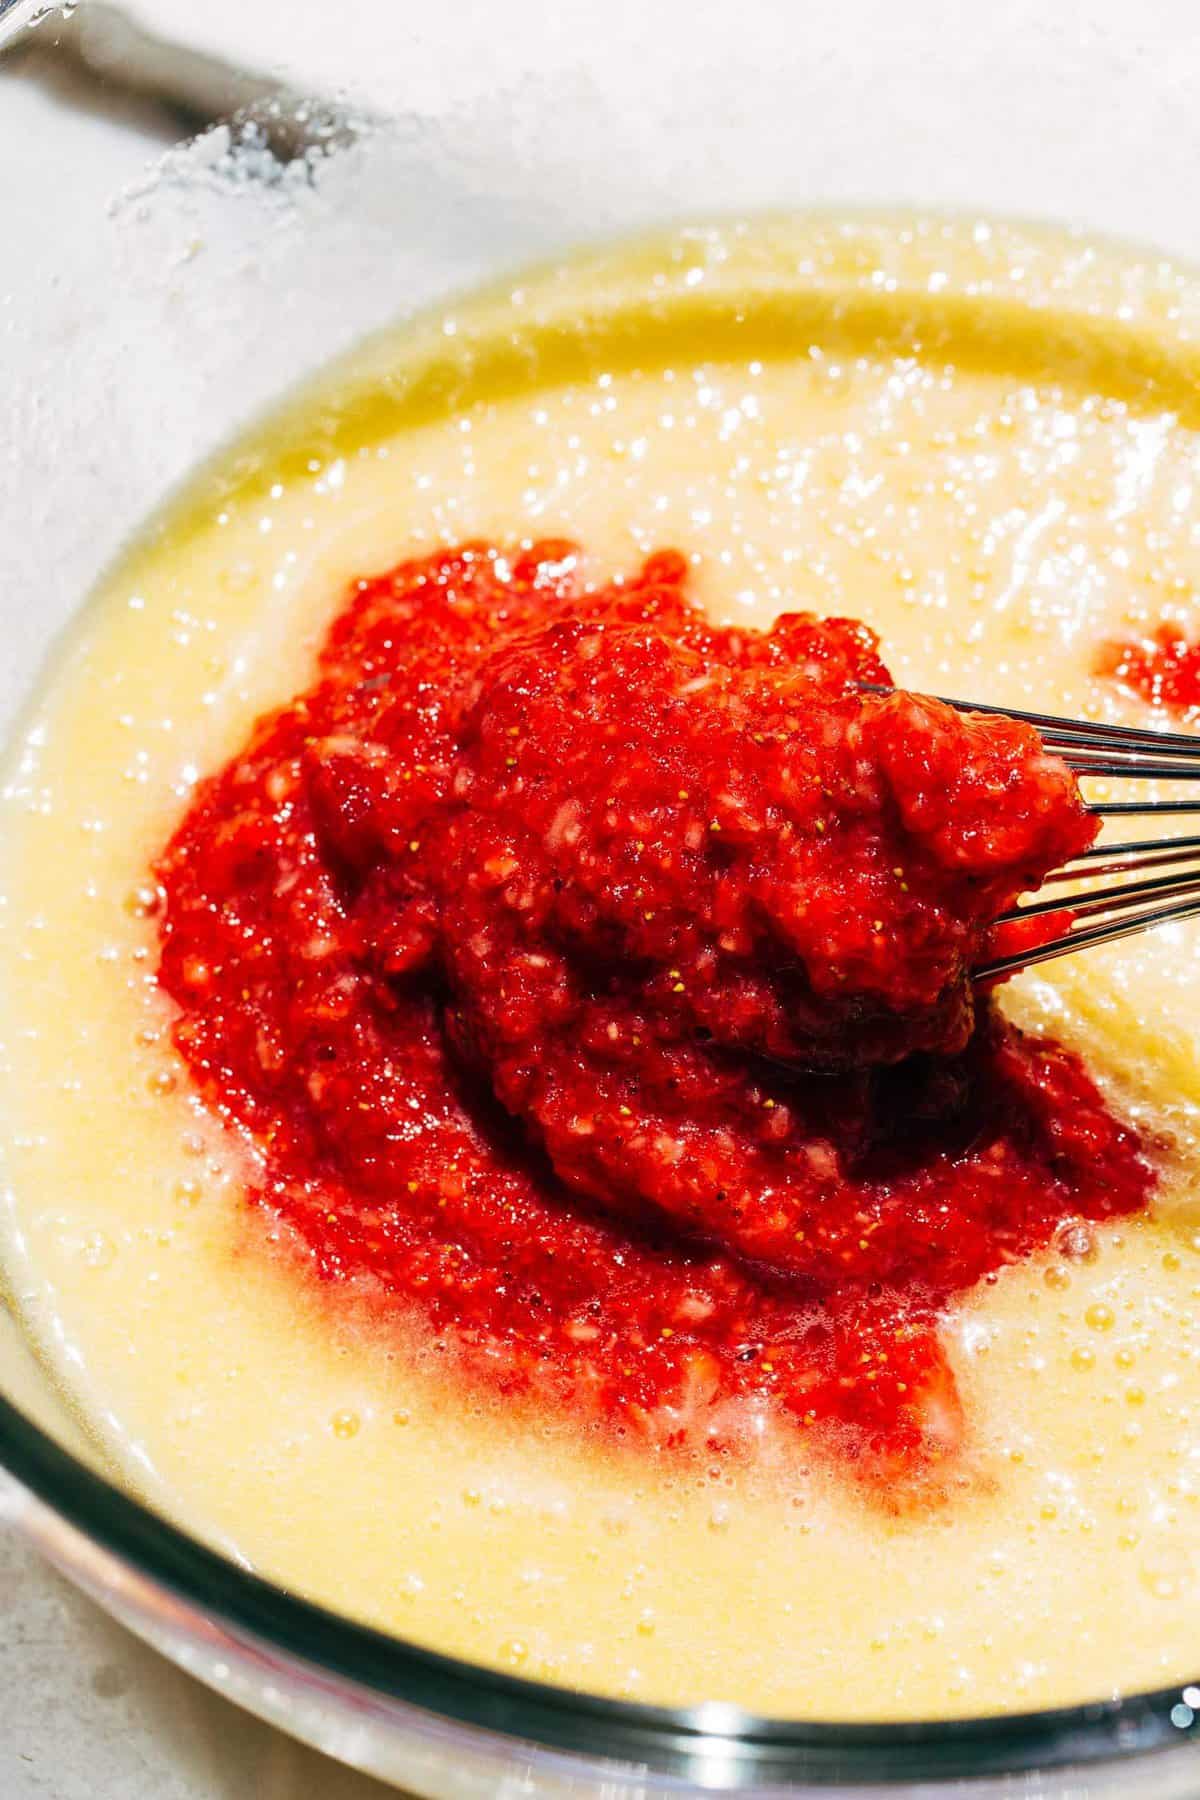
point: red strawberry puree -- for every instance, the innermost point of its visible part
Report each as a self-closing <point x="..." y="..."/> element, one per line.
<point x="1162" y="667"/>
<point x="596" y="979"/>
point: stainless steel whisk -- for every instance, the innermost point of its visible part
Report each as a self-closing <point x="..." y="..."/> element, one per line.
<point x="1125" y="907"/>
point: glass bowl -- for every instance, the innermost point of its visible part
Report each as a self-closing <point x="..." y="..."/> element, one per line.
<point x="155" y="297"/>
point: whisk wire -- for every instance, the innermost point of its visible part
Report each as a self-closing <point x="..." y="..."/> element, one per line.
<point x="1120" y="859"/>
<point x="1052" y="728"/>
<point x="1104" y="899"/>
<point x="1109" y="753"/>
<point x="1083" y="940"/>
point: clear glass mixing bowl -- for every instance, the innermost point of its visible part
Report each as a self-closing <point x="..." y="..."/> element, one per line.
<point x="150" y="303"/>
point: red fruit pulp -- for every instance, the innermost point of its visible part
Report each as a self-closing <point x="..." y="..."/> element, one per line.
<point x="596" y="979"/>
<point x="1163" y="668"/>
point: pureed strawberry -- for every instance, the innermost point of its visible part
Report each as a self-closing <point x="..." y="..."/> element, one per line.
<point x="595" y="982"/>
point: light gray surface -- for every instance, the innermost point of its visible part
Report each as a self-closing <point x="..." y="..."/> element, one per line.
<point x="88" y="1713"/>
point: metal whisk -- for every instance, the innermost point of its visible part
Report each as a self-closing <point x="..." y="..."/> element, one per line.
<point x="1121" y="908"/>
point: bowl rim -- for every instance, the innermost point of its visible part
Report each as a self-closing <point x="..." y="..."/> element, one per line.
<point x="715" y="1744"/>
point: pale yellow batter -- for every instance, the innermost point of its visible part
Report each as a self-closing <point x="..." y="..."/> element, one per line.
<point x="988" y="445"/>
